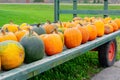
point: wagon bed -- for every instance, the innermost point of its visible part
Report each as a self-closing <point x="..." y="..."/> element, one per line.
<point x="27" y="71"/>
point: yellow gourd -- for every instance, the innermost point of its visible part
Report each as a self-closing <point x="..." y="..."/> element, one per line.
<point x="12" y="54"/>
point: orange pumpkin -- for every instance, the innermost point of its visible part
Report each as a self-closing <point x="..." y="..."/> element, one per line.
<point x="70" y="24"/>
<point x="87" y="19"/>
<point x="10" y="27"/>
<point x="114" y="25"/>
<point x="53" y="43"/>
<point x="60" y="34"/>
<point x="76" y="18"/>
<point x="20" y="33"/>
<point x="84" y="32"/>
<point x="100" y="27"/>
<point x="108" y="29"/>
<point x="117" y="21"/>
<point x="8" y="35"/>
<point x="107" y="19"/>
<point x="49" y="27"/>
<point x="25" y="27"/>
<point x="1" y="38"/>
<point x="72" y="37"/>
<point x="92" y="31"/>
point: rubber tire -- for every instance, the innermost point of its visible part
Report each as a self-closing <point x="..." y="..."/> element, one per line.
<point x="103" y="54"/>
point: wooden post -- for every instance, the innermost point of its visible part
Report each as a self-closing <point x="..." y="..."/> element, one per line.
<point x="105" y="8"/>
<point x="56" y="10"/>
<point x="75" y="7"/>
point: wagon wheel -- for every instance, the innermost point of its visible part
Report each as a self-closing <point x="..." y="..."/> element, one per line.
<point x="107" y="53"/>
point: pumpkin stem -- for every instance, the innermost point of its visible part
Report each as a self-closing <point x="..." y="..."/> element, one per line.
<point x="81" y="24"/>
<point x="19" y="28"/>
<point x="11" y="21"/>
<point x="6" y="30"/>
<point x="30" y="31"/>
<point x="110" y="21"/>
<point x="60" y="24"/>
<point x="48" y="21"/>
<point x="38" y="24"/>
<point x="56" y="31"/>
<point x="3" y="32"/>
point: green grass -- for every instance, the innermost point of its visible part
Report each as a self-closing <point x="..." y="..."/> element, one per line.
<point x="35" y="13"/>
<point x="80" y="68"/>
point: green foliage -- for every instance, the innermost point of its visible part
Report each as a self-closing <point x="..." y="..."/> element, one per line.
<point x="36" y="13"/>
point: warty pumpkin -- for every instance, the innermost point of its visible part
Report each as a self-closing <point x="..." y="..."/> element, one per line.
<point x="72" y="37"/>
<point x="108" y="29"/>
<point x="53" y="43"/>
<point x="34" y="47"/>
<point x="114" y="25"/>
<point x="12" y="54"/>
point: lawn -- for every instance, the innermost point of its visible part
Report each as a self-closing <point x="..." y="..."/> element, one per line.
<point x="80" y="68"/>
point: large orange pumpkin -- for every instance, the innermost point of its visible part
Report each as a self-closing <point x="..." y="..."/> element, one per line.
<point x="84" y="32"/>
<point x="92" y="31"/>
<point x="72" y="37"/>
<point x="100" y="27"/>
<point x="53" y="43"/>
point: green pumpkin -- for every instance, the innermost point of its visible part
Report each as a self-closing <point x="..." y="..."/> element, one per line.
<point x="39" y="29"/>
<point x="34" y="47"/>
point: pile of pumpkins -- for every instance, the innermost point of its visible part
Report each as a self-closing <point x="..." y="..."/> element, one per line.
<point x="26" y="43"/>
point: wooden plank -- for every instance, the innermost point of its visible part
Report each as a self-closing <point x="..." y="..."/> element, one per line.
<point x="110" y="12"/>
<point x="28" y="70"/>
